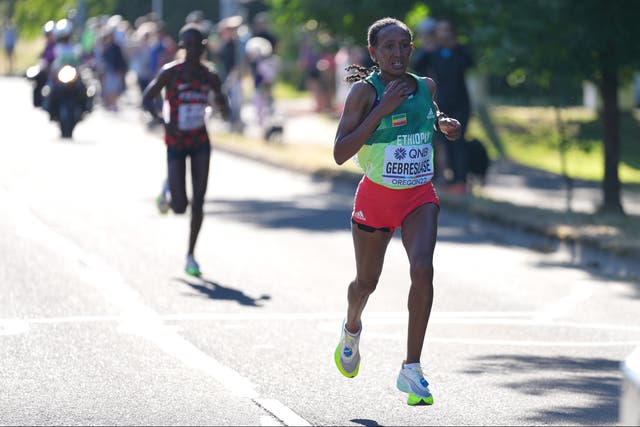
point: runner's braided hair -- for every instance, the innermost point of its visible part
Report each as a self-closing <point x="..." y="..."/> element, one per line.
<point x="361" y="72"/>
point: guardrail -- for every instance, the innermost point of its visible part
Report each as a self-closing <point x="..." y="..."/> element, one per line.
<point x="630" y="397"/>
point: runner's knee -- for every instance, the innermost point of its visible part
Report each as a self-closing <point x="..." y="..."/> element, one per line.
<point x="421" y="272"/>
<point x="179" y="206"/>
<point x="365" y="286"/>
<point x="197" y="206"/>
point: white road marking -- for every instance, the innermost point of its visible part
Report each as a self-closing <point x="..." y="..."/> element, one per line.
<point x="513" y="343"/>
<point x="267" y="421"/>
<point x="13" y="327"/>
<point x="283" y="413"/>
<point x="138" y="318"/>
<point x="328" y="323"/>
<point x="581" y="292"/>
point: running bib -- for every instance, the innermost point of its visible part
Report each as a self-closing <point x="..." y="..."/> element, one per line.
<point x="407" y="166"/>
<point x="191" y="116"/>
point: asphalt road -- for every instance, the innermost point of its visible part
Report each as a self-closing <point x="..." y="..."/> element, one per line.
<point x="99" y="325"/>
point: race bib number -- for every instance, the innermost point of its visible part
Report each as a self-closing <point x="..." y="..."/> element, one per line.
<point x="191" y="116"/>
<point x="407" y="166"/>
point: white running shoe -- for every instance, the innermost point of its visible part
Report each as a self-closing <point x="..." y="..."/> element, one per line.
<point x="347" y="355"/>
<point x="411" y="380"/>
<point x="162" y="204"/>
<point x="162" y="201"/>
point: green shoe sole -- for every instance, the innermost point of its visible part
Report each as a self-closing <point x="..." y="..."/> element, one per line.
<point x="193" y="272"/>
<point x="336" y="358"/>
<point x="415" y="400"/>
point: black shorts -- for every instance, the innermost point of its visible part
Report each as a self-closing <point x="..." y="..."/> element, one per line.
<point x="182" y="153"/>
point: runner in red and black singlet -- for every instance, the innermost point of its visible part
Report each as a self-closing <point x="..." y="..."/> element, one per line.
<point x="186" y="97"/>
<point x="187" y="85"/>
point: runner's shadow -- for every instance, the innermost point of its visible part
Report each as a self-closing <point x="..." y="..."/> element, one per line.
<point x="366" y="422"/>
<point x="216" y="291"/>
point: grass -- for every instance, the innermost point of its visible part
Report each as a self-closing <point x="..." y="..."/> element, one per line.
<point x="530" y="136"/>
<point x="284" y="90"/>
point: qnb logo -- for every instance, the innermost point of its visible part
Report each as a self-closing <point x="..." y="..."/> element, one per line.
<point x="400" y="153"/>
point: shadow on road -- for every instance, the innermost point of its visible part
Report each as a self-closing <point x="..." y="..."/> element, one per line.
<point x="282" y="214"/>
<point x="213" y="290"/>
<point x="366" y="422"/>
<point x="596" y="378"/>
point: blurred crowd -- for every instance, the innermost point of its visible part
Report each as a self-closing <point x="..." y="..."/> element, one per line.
<point x="120" y="52"/>
<point x="123" y="54"/>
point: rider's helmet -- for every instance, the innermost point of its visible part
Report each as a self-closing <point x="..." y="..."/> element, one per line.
<point x="63" y="29"/>
<point x="48" y="27"/>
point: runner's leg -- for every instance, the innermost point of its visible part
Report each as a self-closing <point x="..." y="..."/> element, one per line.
<point x="177" y="184"/>
<point x="199" y="179"/>
<point x="419" y="230"/>
<point x="370" y="248"/>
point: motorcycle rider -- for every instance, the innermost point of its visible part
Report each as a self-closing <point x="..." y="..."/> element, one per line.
<point x="40" y="72"/>
<point x="48" y="54"/>
<point x="65" y="53"/>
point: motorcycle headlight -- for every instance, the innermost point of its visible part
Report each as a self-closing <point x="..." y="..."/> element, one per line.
<point x="67" y="74"/>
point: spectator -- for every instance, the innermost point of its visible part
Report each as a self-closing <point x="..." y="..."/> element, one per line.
<point x="420" y="62"/>
<point x="261" y="29"/>
<point x="230" y="57"/>
<point x="449" y="62"/>
<point x="10" y="36"/>
<point x="115" y="68"/>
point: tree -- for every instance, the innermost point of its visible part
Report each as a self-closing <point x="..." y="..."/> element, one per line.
<point x="551" y="42"/>
<point x="30" y="15"/>
<point x="344" y="19"/>
<point x="559" y="40"/>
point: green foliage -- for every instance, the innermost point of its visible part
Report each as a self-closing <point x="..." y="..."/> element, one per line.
<point x="419" y="12"/>
<point x="344" y="19"/>
<point x="550" y="43"/>
<point x="30" y="15"/>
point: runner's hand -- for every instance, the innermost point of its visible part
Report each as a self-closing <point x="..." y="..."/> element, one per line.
<point x="450" y="128"/>
<point x="395" y="93"/>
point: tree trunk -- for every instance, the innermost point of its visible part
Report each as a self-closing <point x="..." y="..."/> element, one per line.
<point x="611" y="117"/>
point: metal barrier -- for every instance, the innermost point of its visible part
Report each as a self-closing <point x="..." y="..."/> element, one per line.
<point x="630" y="397"/>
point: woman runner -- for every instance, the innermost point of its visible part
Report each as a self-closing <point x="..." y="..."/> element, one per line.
<point x="187" y="85"/>
<point x="388" y="124"/>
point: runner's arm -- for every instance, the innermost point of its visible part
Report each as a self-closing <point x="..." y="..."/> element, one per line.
<point x="219" y="98"/>
<point x="449" y="127"/>
<point x="154" y="89"/>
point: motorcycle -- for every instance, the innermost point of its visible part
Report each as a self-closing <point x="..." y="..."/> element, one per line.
<point x="68" y="99"/>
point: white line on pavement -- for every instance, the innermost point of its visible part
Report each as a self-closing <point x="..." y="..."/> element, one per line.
<point x="138" y="318"/>
<point x="136" y="326"/>
<point x="581" y="292"/>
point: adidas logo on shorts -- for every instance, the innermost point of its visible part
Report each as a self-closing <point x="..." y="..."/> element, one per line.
<point x="360" y="215"/>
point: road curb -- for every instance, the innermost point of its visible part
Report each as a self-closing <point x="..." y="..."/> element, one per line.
<point x="630" y="398"/>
